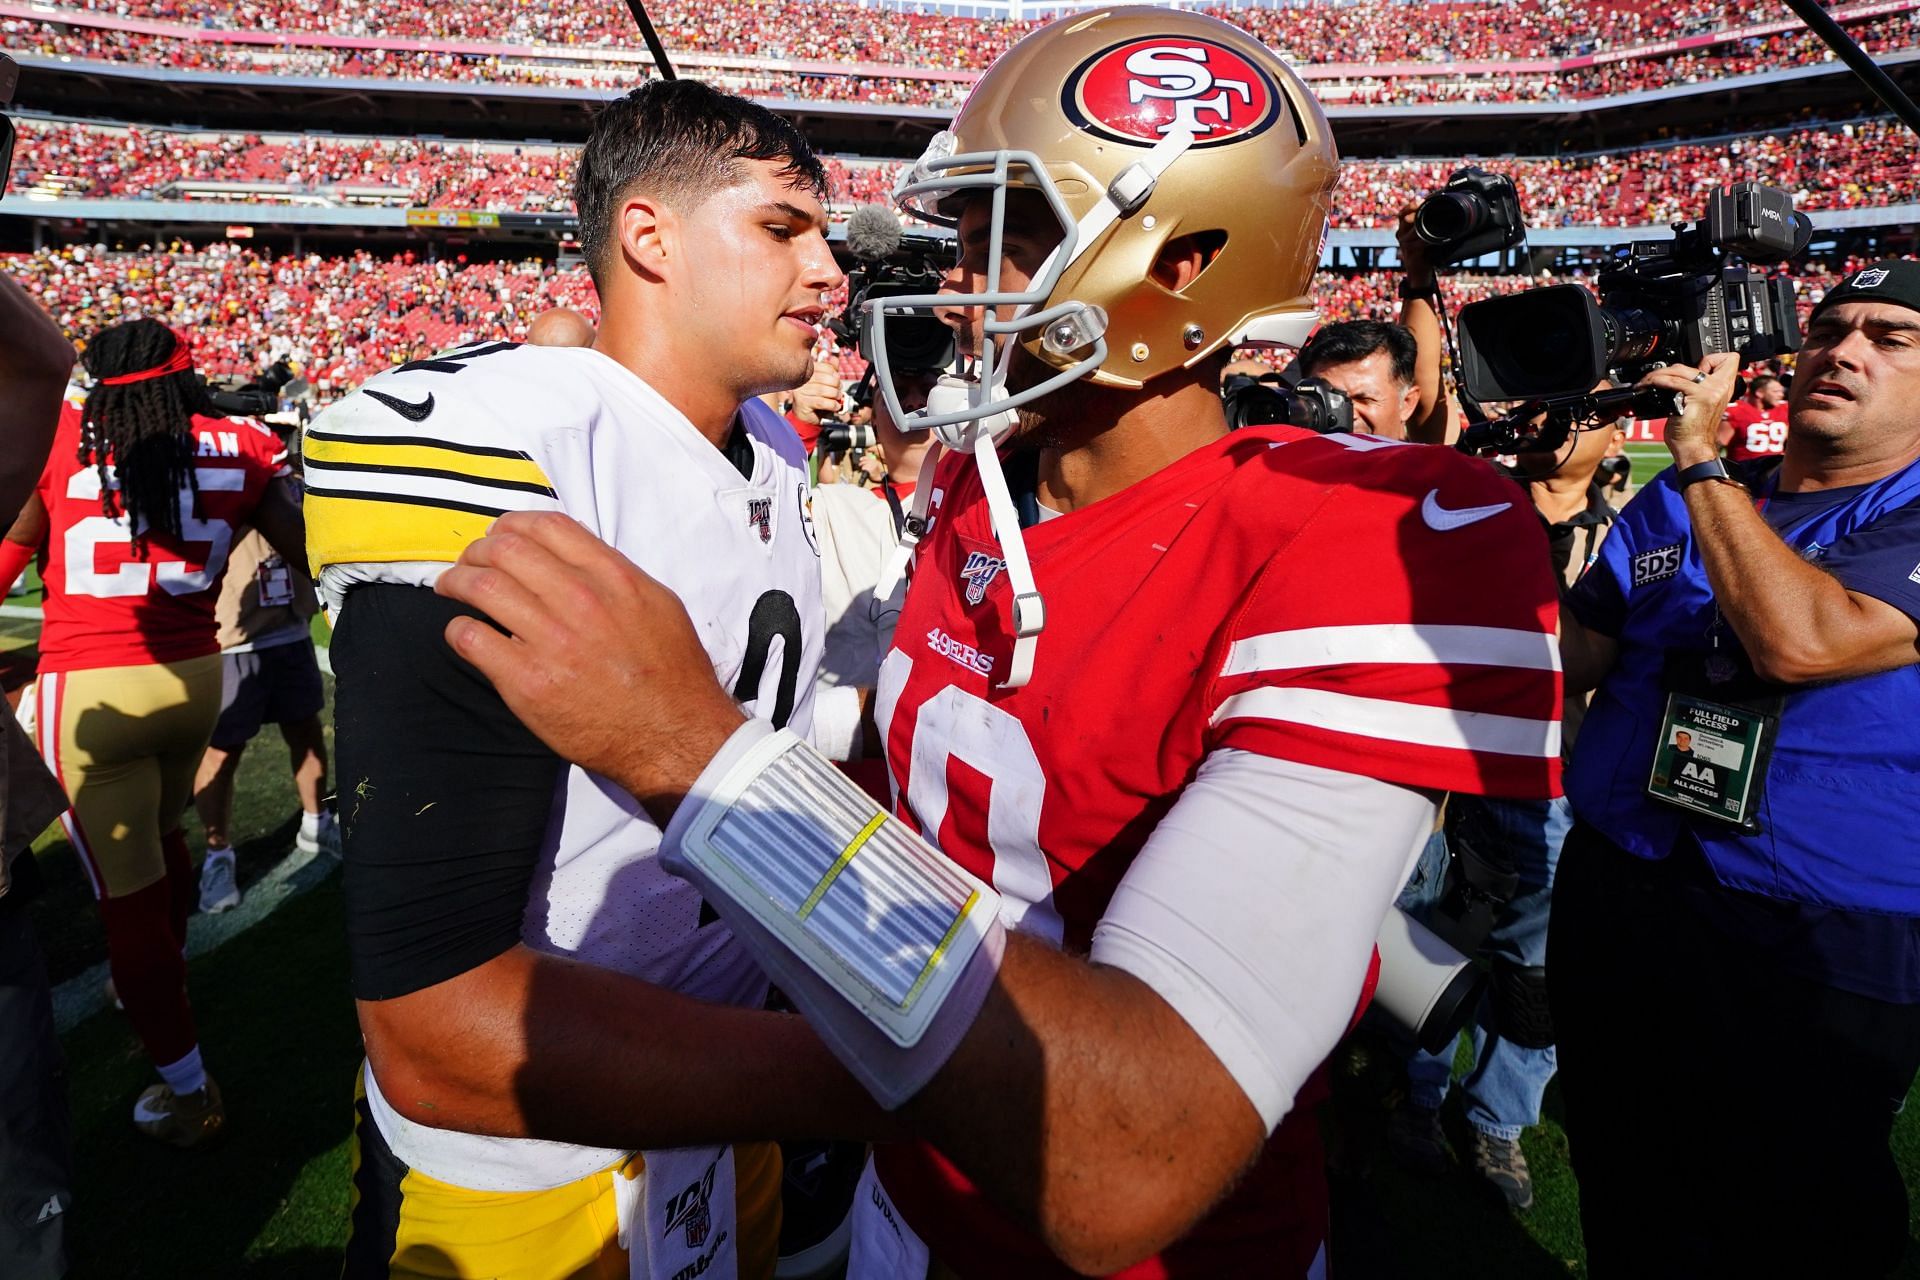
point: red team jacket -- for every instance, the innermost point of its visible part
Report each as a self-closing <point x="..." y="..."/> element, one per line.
<point x="1335" y="601"/>
<point x="108" y="608"/>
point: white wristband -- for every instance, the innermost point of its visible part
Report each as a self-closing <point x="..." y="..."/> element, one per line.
<point x="882" y="942"/>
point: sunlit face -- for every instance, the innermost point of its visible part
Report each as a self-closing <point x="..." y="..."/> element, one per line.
<point x="757" y="272"/>
<point x="1382" y="404"/>
<point x="1767" y="392"/>
<point x="1858" y="372"/>
<point x="1031" y="234"/>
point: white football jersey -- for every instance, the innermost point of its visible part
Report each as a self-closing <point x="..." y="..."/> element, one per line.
<point x="408" y="470"/>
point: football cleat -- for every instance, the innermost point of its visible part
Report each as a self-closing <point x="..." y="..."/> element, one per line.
<point x="181" y="1119"/>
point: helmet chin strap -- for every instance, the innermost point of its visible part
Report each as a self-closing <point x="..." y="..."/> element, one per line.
<point x="979" y="438"/>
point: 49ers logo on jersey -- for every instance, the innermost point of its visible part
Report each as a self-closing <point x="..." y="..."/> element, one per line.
<point x="1139" y="91"/>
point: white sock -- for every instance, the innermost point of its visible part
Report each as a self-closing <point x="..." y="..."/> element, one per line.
<point x="312" y="824"/>
<point x="186" y="1075"/>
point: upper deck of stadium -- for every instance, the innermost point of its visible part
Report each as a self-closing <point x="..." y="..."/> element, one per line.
<point x="878" y="78"/>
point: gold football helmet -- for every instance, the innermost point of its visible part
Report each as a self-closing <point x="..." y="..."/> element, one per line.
<point x="1137" y="125"/>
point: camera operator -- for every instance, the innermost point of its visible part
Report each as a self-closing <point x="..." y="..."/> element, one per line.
<point x="36" y="1175"/>
<point x="821" y="396"/>
<point x="1750" y="919"/>
<point x="1517" y="843"/>
<point x="1374" y="364"/>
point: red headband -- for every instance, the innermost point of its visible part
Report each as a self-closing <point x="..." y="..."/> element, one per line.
<point x="179" y="362"/>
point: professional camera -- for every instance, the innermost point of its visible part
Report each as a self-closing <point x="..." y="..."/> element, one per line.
<point x="1476" y="213"/>
<point x="1661" y="302"/>
<point x="259" y="397"/>
<point x="890" y="261"/>
<point x="839" y="438"/>
<point x="1309" y="403"/>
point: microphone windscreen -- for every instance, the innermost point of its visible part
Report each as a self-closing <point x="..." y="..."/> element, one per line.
<point x="872" y="233"/>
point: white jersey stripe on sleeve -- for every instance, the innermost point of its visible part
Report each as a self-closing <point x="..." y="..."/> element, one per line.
<point x="472" y="493"/>
<point x="1397" y="721"/>
<point x="1396" y="642"/>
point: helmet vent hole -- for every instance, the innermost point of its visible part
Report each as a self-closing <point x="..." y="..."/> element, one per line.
<point x="1184" y="259"/>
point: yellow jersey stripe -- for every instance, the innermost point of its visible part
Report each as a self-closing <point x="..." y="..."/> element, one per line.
<point x="455" y="463"/>
<point x="352" y="529"/>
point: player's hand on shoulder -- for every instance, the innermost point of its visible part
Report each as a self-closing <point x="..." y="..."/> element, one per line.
<point x="600" y="660"/>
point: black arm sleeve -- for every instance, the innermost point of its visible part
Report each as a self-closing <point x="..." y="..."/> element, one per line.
<point x="444" y="796"/>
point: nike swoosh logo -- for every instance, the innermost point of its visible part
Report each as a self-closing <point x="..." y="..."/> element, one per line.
<point x="1441" y="520"/>
<point x="140" y="1112"/>
<point x="411" y="412"/>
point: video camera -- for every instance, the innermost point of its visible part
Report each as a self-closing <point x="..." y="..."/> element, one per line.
<point x="1309" y="403"/>
<point x="1661" y="302"/>
<point x="1476" y="213"/>
<point x="888" y="261"/>
<point x="259" y="397"/>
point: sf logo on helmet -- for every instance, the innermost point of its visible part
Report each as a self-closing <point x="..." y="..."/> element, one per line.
<point x="1142" y="90"/>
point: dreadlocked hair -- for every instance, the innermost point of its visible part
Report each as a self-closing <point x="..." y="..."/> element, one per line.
<point x="143" y="429"/>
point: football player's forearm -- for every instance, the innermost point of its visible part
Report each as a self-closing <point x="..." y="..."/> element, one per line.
<point x="1082" y="1103"/>
<point x="530" y="1045"/>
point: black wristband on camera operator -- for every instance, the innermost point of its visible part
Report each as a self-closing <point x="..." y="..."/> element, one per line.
<point x="1711" y="469"/>
<point x="1409" y="290"/>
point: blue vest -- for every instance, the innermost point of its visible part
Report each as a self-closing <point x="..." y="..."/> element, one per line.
<point x="1841" y="802"/>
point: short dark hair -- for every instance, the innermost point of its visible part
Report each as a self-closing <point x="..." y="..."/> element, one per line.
<point x="681" y="140"/>
<point x="1350" y="340"/>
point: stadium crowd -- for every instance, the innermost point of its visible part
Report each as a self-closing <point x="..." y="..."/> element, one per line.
<point x="344" y="318"/>
<point x="1851" y="165"/>
<point x="1655" y="66"/>
<point x="848" y="31"/>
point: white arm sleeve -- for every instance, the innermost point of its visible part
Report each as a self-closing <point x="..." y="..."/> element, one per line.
<point x="1253" y="908"/>
<point x="836" y="721"/>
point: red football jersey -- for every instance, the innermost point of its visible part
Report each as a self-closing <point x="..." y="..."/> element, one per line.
<point x="1381" y="609"/>
<point x="108" y="608"/>
<point x="1757" y="433"/>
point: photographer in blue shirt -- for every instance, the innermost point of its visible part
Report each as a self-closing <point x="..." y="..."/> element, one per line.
<point x="1734" y="956"/>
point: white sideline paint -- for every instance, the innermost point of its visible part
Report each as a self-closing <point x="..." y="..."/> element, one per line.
<point x="82" y="996"/>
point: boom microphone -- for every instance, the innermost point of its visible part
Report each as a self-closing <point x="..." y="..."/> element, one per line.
<point x="873" y="234"/>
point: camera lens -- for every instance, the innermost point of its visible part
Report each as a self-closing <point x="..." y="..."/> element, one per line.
<point x="1449" y="216"/>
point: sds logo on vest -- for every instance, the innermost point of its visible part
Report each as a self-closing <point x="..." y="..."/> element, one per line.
<point x="1652" y="566"/>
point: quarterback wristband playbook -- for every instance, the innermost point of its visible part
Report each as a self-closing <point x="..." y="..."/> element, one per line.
<point x="884" y="944"/>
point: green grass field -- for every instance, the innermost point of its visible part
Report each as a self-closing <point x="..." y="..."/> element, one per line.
<point x="277" y="1028"/>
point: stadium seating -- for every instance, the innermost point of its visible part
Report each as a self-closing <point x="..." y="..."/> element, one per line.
<point x="839" y="51"/>
<point x="344" y="318"/>
<point x="1840" y="166"/>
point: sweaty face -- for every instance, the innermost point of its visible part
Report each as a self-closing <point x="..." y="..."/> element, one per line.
<point x="755" y="272"/>
<point x="1382" y="404"/>
<point x="1858" y="374"/>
